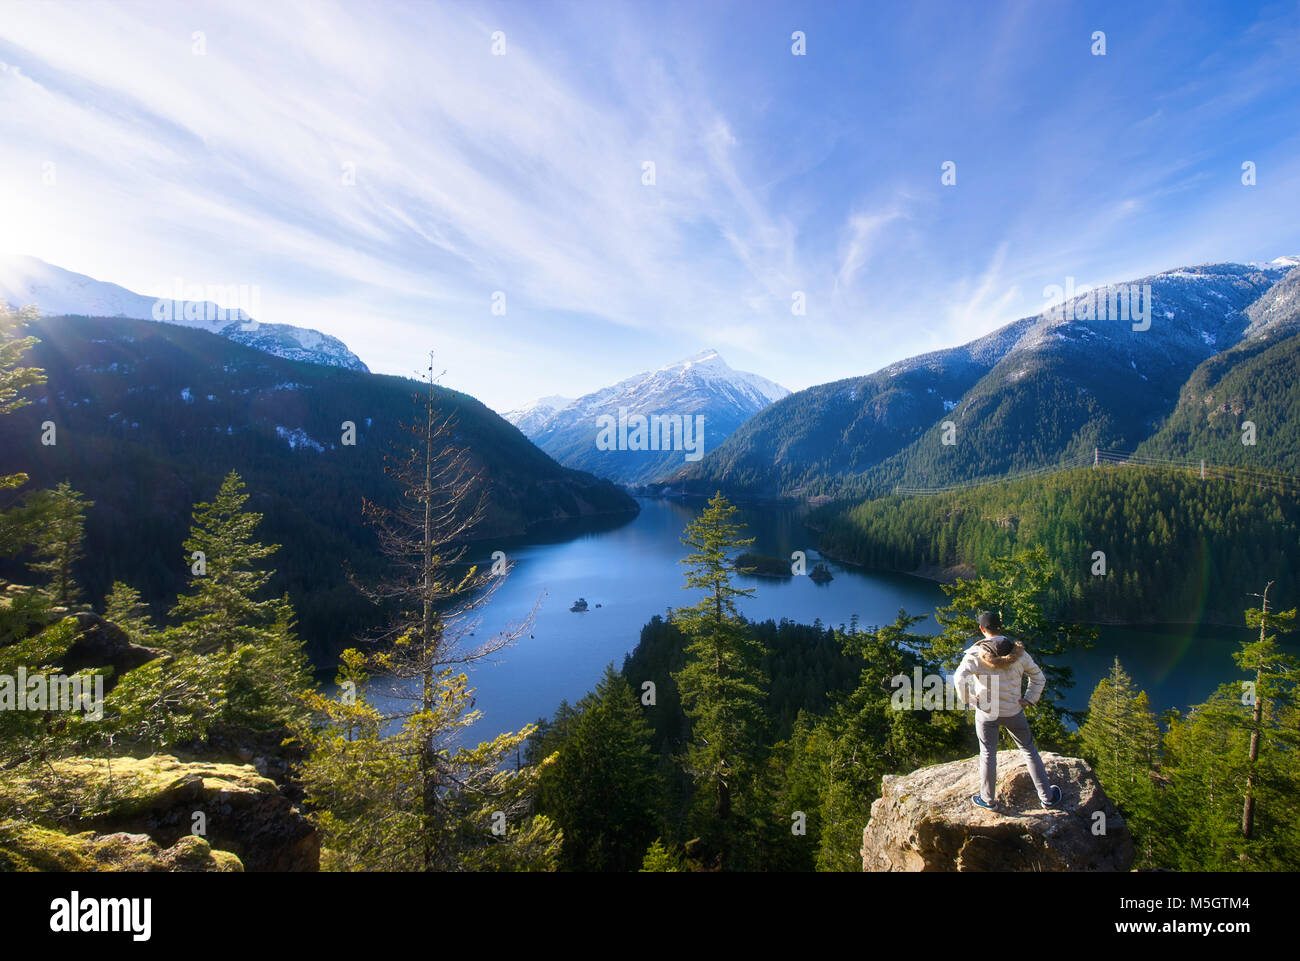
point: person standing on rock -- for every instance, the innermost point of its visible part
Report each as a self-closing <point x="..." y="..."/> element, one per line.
<point x="996" y="667"/>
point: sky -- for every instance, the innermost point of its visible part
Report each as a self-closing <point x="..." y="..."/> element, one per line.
<point x="470" y="178"/>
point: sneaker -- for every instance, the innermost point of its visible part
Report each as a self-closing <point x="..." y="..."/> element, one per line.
<point x="979" y="801"/>
<point x="1056" y="798"/>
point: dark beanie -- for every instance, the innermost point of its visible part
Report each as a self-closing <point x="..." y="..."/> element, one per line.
<point x="990" y="621"/>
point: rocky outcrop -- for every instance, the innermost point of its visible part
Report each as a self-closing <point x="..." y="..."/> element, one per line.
<point x="28" y="847"/>
<point x="925" y="821"/>
<point x="156" y="813"/>
<point x="233" y="809"/>
<point x="101" y="643"/>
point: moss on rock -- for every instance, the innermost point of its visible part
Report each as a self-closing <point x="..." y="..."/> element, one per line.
<point x="128" y="787"/>
<point x="141" y="811"/>
<point x="29" y="847"/>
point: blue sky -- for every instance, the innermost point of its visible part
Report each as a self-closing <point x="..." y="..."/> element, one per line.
<point x="522" y="172"/>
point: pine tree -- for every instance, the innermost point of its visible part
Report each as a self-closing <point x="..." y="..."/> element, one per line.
<point x="875" y="731"/>
<point x="439" y="805"/>
<point x="367" y="797"/>
<point x="549" y="733"/>
<point x="602" y="786"/>
<point x="124" y="608"/>
<point x="1205" y="761"/>
<point x="221" y="610"/>
<point x="1230" y="764"/>
<point x="795" y="782"/>
<point x="660" y="858"/>
<point x="34" y="735"/>
<point x="248" y="646"/>
<point x="56" y="520"/>
<point x="25" y="736"/>
<point x="15" y="379"/>
<point x="723" y="685"/>
<point x="166" y="702"/>
<point x="24" y="606"/>
<point x="1122" y="741"/>
<point x="1276" y="677"/>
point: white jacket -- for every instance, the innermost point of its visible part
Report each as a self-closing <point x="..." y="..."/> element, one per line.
<point x="997" y="682"/>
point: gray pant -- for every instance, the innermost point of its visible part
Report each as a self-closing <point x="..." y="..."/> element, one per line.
<point x="1017" y="726"/>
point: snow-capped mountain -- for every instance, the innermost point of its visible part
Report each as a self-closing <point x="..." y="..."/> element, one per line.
<point x="1277" y="313"/>
<point x="531" y="418"/>
<point x="1254" y="380"/>
<point x="1084" y="373"/>
<point x="700" y="386"/>
<point x="57" y="292"/>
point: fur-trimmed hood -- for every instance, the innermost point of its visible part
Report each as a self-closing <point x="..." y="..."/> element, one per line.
<point x="994" y="684"/>
<point x="984" y="651"/>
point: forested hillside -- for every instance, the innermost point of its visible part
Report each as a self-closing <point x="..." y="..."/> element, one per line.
<point x="1177" y="548"/>
<point x="818" y="438"/>
<point x="1257" y="381"/>
<point x="1037" y="392"/>
<point x="149" y="417"/>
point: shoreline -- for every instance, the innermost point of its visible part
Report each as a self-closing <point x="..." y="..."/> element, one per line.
<point x="926" y="573"/>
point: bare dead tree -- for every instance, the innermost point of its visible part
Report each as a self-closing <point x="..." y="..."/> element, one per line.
<point x="435" y="599"/>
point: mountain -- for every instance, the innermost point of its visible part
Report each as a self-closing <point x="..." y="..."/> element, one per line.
<point x="532" y="418"/>
<point x="59" y="292"/>
<point x="599" y="431"/>
<point x="1038" y="391"/>
<point x="149" y="417"/>
<point x="1257" y="380"/>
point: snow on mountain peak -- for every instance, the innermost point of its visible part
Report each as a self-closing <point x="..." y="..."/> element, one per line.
<point x="701" y="385"/>
<point x="554" y="401"/>
<point x="58" y="292"/>
<point x="709" y="357"/>
<point x="709" y="366"/>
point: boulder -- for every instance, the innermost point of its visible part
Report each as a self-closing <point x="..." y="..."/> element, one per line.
<point x="243" y="813"/>
<point x="925" y="821"/>
<point x="29" y="847"/>
<point x="101" y="643"/>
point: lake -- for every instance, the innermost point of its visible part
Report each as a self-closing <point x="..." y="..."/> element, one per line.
<point x="633" y="571"/>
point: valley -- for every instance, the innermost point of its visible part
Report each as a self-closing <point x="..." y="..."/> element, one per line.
<point x="494" y="438"/>
<point x="151" y="416"/>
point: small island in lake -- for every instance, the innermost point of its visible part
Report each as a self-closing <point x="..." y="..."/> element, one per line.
<point x="579" y="605"/>
<point x="764" y="565"/>
<point x="820" y="575"/>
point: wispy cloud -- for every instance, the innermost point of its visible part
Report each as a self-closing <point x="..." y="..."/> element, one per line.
<point x="983" y="302"/>
<point x="379" y="173"/>
<point x="864" y="231"/>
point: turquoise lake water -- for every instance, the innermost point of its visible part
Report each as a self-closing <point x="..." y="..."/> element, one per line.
<point x="633" y="570"/>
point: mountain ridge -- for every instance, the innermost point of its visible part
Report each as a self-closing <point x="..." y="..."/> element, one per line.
<point x="1105" y="381"/>
<point x="56" y="291"/>
<point x="1256" y="381"/>
<point x="700" y="385"/>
